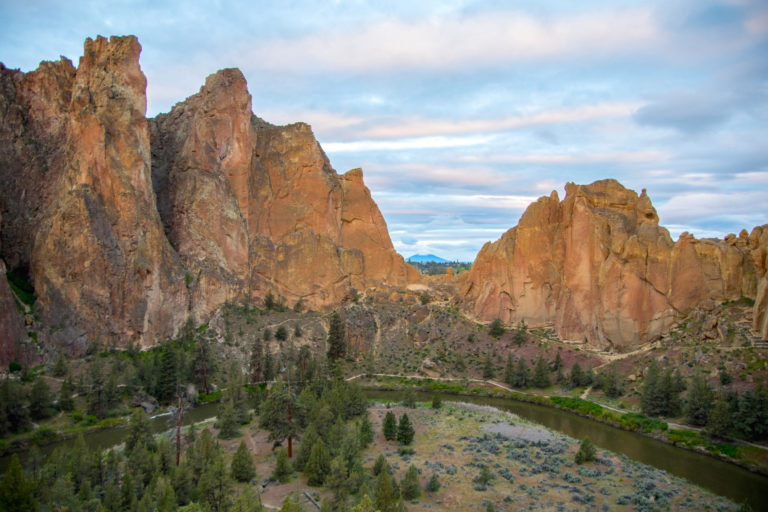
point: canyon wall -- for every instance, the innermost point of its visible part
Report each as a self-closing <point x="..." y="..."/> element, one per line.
<point x="598" y="268"/>
<point x="127" y="227"/>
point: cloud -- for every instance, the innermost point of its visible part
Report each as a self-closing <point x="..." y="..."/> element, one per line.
<point x="449" y="42"/>
<point x="397" y="145"/>
<point x="685" y="112"/>
<point x="572" y="158"/>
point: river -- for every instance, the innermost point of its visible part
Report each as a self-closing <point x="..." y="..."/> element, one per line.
<point x="710" y="473"/>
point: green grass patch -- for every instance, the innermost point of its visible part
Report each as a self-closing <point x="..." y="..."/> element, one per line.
<point x="210" y="397"/>
<point x="686" y="437"/>
<point x="635" y="421"/>
<point x="578" y="405"/>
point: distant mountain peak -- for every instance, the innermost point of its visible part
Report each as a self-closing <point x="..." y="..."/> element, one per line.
<point x="424" y="258"/>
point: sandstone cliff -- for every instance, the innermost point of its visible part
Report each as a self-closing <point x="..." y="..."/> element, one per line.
<point x="11" y="321"/>
<point x="599" y="268"/>
<point x="129" y="227"/>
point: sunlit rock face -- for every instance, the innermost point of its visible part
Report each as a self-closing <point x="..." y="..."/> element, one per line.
<point x="129" y="227"/>
<point x="599" y="268"/>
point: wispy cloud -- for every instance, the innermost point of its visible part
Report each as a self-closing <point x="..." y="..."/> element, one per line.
<point x="450" y="42"/>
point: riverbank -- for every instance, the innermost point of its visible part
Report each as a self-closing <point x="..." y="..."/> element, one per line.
<point x="749" y="456"/>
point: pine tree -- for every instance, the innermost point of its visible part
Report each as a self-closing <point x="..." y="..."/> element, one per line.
<point x="214" y="485"/>
<point x="720" y="418"/>
<point x="558" y="363"/>
<point x="336" y="339"/>
<point x="242" y="468"/>
<point x="336" y="481"/>
<point x="380" y="465"/>
<point x="611" y="384"/>
<point x="365" y="505"/>
<point x="386" y="499"/>
<point x="40" y="401"/>
<point x="168" y="378"/>
<point x="409" y="400"/>
<point x="496" y="328"/>
<point x="521" y="333"/>
<point x="405" y="430"/>
<point x="521" y="374"/>
<point x="96" y="382"/>
<point x="16" y="491"/>
<point x="437" y="402"/>
<point x="488" y="370"/>
<point x="365" y="433"/>
<point x="587" y="452"/>
<point x="281" y="333"/>
<point x="248" y="501"/>
<point x="318" y="465"/>
<point x="653" y="401"/>
<point x="138" y="432"/>
<point x="509" y="371"/>
<point x="576" y="376"/>
<point x="257" y="362"/>
<point x="699" y="401"/>
<point x="433" y="485"/>
<point x="541" y="373"/>
<point x="60" y="368"/>
<point x="66" y="403"/>
<point x="305" y="448"/>
<point x="410" y="487"/>
<point x="227" y="421"/>
<point x="390" y="426"/>
<point x="282" y="472"/>
<point x="274" y="413"/>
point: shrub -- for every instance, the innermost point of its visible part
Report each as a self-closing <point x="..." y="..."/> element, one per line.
<point x="433" y="485"/>
<point x="586" y="453"/>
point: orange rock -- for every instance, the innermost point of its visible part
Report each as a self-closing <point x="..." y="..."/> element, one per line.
<point x="11" y="322"/>
<point x="598" y="268"/>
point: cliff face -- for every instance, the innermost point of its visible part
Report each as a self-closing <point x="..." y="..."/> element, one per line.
<point x="11" y="322"/>
<point x="600" y="269"/>
<point x="128" y="227"/>
<point x="253" y="208"/>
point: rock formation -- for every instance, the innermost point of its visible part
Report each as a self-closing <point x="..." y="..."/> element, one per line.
<point x="11" y="322"/>
<point x="254" y="208"/>
<point x="128" y="228"/>
<point x="599" y="268"/>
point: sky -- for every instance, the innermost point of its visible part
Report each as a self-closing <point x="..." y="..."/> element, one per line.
<point x="462" y="112"/>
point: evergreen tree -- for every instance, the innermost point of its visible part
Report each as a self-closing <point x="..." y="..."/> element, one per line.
<point x="611" y="383"/>
<point x="248" y="501"/>
<point x="380" y="465"/>
<point x="521" y="374"/>
<point x="558" y="363"/>
<point x="269" y="301"/>
<point x="752" y="414"/>
<point x="509" y="371"/>
<point x="282" y="472"/>
<point x="297" y="332"/>
<point x="336" y="481"/>
<point x="541" y="373"/>
<point x="410" y="487"/>
<point x="214" y="486"/>
<point x="281" y="333"/>
<point x="587" y="452"/>
<point x="96" y="383"/>
<point x="227" y="421"/>
<point x="291" y="504"/>
<point x="720" y="418"/>
<point x="242" y="468"/>
<point x="60" y="368"/>
<point x="337" y="348"/>
<point x="576" y="377"/>
<point x="66" y="402"/>
<point x="699" y="401"/>
<point x="386" y="499"/>
<point x="653" y="401"/>
<point x="40" y="401"/>
<point x="365" y="505"/>
<point x="365" y="434"/>
<point x="305" y="448"/>
<point x="433" y="485"/>
<point x="521" y="333"/>
<point x="257" y="362"/>
<point x="437" y="402"/>
<point x="17" y="493"/>
<point x="485" y="477"/>
<point x="168" y="377"/>
<point x="405" y="430"/>
<point x="496" y="329"/>
<point x="725" y="377"/>
<point x="111" y="392"/>
<point x="274" y="414"/>
<point x="390" y="426"/>
<point x="138" y="432"/>
<point x="318" y="465"/>
<point x="488" y="370"/>
<point x="269" y="367"/>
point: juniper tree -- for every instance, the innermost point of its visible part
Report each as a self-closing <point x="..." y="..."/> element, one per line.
<point x="509" y="371"/>
<point x="242" y="468"/>
<point x="576" y="377"/>
<point x="541" y="373"/>
<point x="433" y="485"/>
<point x="40" y="401"/>
<point x="283" y="470"/>
<point x="488" y="370"/>
<point x="318" y="465"/>
<point x="521" y="374"/>
<point x="587" y="452"/>
<point x="496" y="329"/>
<point x="405" y="430"/>
<point x="336" y="338"/>
<point x="389" y="426"/>
<point x="699" y="401"/>
<point x="410" y="487"/>
<point x="521" y="333"/>
<point x="365" y="433"/>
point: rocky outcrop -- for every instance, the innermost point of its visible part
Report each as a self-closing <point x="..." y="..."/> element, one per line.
<point x="100" y="261"/>
<point x="11" y="321"/>
<point x="599" y="268"/>
<point x="758" y="243"/>
<point x="254" y="208"/>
